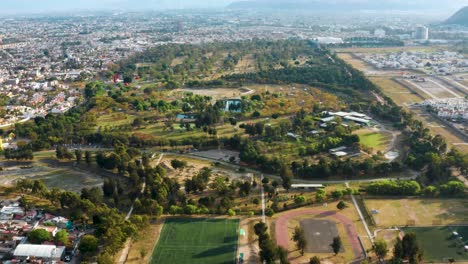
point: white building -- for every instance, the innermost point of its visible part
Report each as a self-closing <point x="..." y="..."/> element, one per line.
<point x="380" y="33"/>
<point x="421" y="33"/>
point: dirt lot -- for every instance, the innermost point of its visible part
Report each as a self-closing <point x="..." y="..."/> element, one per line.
<point x="72" y="179"/>
<point x="419" y="212"/>
<point x="434" y="88"/>
<point x="400" y="94"/>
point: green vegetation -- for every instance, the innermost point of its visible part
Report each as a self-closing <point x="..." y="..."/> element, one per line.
<point x="197" y="241"/>
<point x="300" y="239"/>
<point x="374" y="140"/>
<point x="439" y="244"/>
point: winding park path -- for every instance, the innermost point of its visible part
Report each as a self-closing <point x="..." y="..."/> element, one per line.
<point x="124" y="255"/>
<point x="282" y="235"/>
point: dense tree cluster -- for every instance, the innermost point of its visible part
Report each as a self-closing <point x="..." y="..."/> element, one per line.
<point x="111" y="228"/>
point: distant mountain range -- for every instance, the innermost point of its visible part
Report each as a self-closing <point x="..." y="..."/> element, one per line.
<point x="347" y="5"/>
<point x="459" y="18"/>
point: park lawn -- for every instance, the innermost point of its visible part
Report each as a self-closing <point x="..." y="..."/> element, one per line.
<point x="197" y="240"/>
<point x="115" y="119"/>
<point x="418" y="212"/>
<point x="378" y="141"/>
<point x="439" y="244"/>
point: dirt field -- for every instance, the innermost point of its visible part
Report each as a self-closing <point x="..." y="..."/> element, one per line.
<point x="63" y="178"/>
<point x="285" y="223"/>
<point x="356" y="63"/>
<point x="400" y="94"/>
<point x="434" y="88"/>
<point x="419" y="212"/>
<point x="406" y="97"/>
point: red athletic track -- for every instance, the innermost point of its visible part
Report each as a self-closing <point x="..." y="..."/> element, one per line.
<point x="281" y="228"/>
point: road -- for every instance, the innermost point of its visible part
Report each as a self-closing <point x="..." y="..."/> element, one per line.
<point x="413" y="174"/>
<point x="361" y="216"/>
<point x="126" y="249"/>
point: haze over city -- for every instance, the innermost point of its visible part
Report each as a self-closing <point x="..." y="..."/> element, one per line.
<point x="33" y="6"/>
<point x="233" y="131"/>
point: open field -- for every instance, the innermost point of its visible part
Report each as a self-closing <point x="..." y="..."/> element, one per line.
<point x="412" y="92"/>
<point x="197" y="240"/>
<point x="63" y="178"/>
<point x="378" y="141"/>
<point x="435" y="89"/>
<point x="400" y="94"/>
<point x="419" y="212"/>
<point x="356" y="63"/>
<point x="440" y="244"/>
<point x="439" y="128"/>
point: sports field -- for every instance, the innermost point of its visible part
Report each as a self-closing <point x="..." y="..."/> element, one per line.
<point x="203" y="241"/>
<point x="440" y="244"/>
<point x="419" y="212"/>
<point x="319" y="234"/>
<point x="378" y="141"/>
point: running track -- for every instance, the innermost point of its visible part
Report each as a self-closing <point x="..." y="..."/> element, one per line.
<point x="281" y="228"/>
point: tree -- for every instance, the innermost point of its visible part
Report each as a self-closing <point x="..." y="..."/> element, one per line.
<point x="341" y="205"/>
<point x="105" y="258"/>
<point x="337" y="194"/>
<point x="336" y="245"/>
<point x="260" y="228"/>
<point x="89" y="244"/>
<point x="61" y="237"/>
<point x="282" y="255"/>
<point x="411" y="249"/>
<point x="300" y="199"/>
<point x="39" y="236"/>
<point x="380" y="248"/>
<point x="314" y="260"/>
<point x="320" y="195"/>
<point x="78" y="155"/>
<point x="178" y="164"/>
<point x="88" y="158"/>
<point x="286" y="182"/>
<point x="299" y="238"/>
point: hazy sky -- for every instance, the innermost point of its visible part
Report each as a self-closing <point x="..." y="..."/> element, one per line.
<point x="16" y="6"/>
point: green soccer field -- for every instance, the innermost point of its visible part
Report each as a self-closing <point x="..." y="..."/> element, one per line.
<point x="203" y="241"/>
<point x="439" y="244"/>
